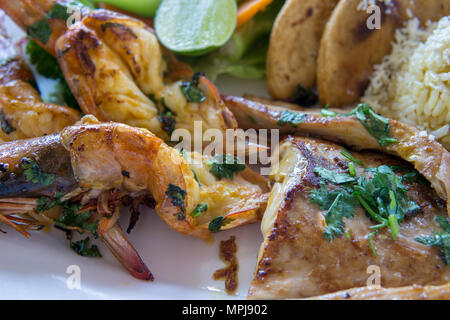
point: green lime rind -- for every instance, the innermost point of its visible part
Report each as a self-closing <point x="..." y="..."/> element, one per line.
<point x="195" y="27"/>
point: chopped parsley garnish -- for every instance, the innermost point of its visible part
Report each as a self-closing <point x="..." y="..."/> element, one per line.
<point x="304" y="96"/>
<point x="216" y="224"/>
<point x="350" y="157"/>
<point x="352" y="169"/>
<point x="225" y="166"/>
<point x="191" y="92"/>
<point x="82" y="248"/>
<point x="383" y="198"/>
<point x="167" y="118"/>
<point x="202" y="207"/>
<point x="71" y="215"/>
<point x="371" y="245"/>
<point x="195" y="177"/>
<point x="375" y="124"/>
<point x="439" y="239"/>
<point x="252" y="119"/>
<point x="339" y="204"/>
<point x="44" y="62"/>
<point x="291" y="118"/>
<point x="178" y="196"/>
<point x="40" y="31"/>
<point x="6" y="126"/>
<point x="34" y="174"/>
<point x="327" y="113"/>
<point x="333" y="176"/>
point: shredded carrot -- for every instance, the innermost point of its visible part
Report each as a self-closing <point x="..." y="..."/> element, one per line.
<point x="249" y="9"/>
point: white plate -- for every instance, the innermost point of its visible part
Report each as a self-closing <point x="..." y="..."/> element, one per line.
<point x="183" y="266"/>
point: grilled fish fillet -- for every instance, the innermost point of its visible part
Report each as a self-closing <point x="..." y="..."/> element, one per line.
<point x="429" y="157"/>
<point x="296" y="261"/>
<point x="404" y="293"/>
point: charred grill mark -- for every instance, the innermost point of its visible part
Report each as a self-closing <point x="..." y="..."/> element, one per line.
<point x="310" y="178"/>
<point x="84" y="40"/>
<point x="122" y="32"/>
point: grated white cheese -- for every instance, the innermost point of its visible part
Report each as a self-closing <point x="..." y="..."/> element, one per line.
<point x="412" y="84"/>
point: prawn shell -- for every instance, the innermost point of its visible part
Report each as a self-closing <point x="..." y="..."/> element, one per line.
<point x="48" y="154"/>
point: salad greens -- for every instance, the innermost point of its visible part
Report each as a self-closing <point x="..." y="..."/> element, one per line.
<point x="244" y="55"/>
<point x="48" y="66"/>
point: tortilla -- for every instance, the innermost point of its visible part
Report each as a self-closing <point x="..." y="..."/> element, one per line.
<point x="294" y="45"/>
<point x="349" y="50"/>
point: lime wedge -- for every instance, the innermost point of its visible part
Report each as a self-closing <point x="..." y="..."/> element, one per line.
<point x="194" y="27"/>
<point x="145" y="8"/>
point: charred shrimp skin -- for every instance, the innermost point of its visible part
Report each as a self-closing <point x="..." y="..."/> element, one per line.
<point x="428" y="156"/>
<point x="118" y="71"/>
<point x="23" y="113"/>
<point x="98" y="166"/>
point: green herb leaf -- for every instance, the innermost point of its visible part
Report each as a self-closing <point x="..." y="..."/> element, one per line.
<point x="167" y="118"/>
<point x="202" y="207"/>
<point x="44" y="62"/>
<point x="304" y="96"/>
<point x="339" y="205"/>
<point x="375" y="124"/>
<point x="59" y="11"/>
<point x="178" y="196"/>
<point x="71" y="217"/>
<point x="34" y="174"/>
<point x="440" y="239"/>
<point x="192" y="93"/>
<point x="350" y="157"/>
<point x="334" y="177"/>
<point x="225" y="166"/>
<point x="82" y="248"/>
<point x="371" y="245"/>
<point x="327" y="113"/>
<point x="291" y="118"/>
<point x="40" y="31"/>
<point x="383" y="198"/>
<point x="219" y="222"/>
<point x="6" y="126"/>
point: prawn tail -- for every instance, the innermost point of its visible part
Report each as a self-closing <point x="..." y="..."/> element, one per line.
<point x="127" y="255"/>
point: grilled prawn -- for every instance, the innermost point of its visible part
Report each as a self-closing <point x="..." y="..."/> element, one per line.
<point x="22" y="112"/>
<point x="97" y="167"/>
<point x="118" y="71"/>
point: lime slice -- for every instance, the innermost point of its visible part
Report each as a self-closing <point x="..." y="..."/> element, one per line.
<point x="145" y="8"/>
<point x="194" y="27"/>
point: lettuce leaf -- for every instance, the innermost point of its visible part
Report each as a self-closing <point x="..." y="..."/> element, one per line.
<point x="244" y="55"/>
